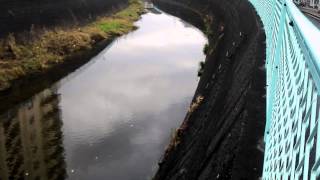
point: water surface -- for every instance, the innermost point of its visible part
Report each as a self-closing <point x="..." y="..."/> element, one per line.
<point x="112" y="118"/>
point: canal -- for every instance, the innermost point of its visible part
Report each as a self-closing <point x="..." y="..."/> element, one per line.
<point x="113" y="117"/>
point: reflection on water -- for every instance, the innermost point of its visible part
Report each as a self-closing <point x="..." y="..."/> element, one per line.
<point x="31" y="140"/>
<point x="117" y="111"/>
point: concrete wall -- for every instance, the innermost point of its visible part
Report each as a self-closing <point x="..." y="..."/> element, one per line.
<point x="223" y="137"/>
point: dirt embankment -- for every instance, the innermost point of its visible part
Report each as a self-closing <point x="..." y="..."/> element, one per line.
<point x="50" y="54"/>
<point x="222" y="134"/>
<point x="21" y="15"/>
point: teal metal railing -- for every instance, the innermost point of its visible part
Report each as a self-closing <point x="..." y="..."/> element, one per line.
<point x="292" y="148"/>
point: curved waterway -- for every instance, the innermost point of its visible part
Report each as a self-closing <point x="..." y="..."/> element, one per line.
<point x="112" y="118"/>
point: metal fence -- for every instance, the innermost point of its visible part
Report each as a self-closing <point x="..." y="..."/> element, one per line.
<point x="293" y="92"/>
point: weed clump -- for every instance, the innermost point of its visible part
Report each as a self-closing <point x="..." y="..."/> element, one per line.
<point x="175" y="140"/>
<point x="176" y="136"/>
<point x="206" y="49"/>
<point x="66" y="42"/>
<point x="196" y="104"/>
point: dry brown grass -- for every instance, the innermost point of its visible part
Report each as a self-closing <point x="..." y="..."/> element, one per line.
<point x="176" y="136"/>
<point x="174" y="142"/>
<point x="196" y="104"/>
<point x="18" y="59"/>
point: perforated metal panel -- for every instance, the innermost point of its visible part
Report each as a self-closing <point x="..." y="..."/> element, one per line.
<point x="293" y="92"/>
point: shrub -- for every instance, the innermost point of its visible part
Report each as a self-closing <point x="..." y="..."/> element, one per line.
<point x="206" y="49"/>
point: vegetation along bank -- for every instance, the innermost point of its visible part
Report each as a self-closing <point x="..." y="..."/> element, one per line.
<point x="48" y="53"/>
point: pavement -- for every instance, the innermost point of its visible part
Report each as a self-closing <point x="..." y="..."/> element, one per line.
<point x="312" y="15"/>
<point x="314" y="21"/>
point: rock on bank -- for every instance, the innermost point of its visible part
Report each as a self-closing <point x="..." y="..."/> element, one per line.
<point x="222" y="134"/>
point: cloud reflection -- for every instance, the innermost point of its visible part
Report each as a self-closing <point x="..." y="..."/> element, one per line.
<point x="118" y="113"/>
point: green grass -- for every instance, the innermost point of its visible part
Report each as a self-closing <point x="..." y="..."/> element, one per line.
<point x="18" y="59"/>
<point x="111" y="26"/>
<point x="122" y="21"/>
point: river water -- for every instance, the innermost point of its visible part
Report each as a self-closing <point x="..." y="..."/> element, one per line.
<point x="112" y="118"/>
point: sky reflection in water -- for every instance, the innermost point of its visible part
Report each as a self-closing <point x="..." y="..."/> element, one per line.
<point x="117" y="112"/>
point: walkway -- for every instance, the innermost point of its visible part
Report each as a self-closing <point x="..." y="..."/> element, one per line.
<point x="314" y="21"/>
<point x="312" y="14"/>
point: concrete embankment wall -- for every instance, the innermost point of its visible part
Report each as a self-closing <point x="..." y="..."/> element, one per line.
<point x="21" y="15"/>
<point x="222" y="135"/>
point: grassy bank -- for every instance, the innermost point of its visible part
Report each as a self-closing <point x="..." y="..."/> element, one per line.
<point x="52" y="47"/>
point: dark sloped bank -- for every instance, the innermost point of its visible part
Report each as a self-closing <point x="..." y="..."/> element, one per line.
<point x="222" y="134"/>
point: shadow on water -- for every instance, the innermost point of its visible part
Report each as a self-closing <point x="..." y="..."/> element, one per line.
<point x="111" y="118"/>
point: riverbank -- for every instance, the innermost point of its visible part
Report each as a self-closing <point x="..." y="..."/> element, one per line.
<point x="20" y="16"/>
<point x="222" y="134"/>
<point x="111" y="118"/>
<point x="53" y="47"/>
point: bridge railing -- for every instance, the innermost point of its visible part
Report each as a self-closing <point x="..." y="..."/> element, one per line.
<point x="293" y="92"/>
